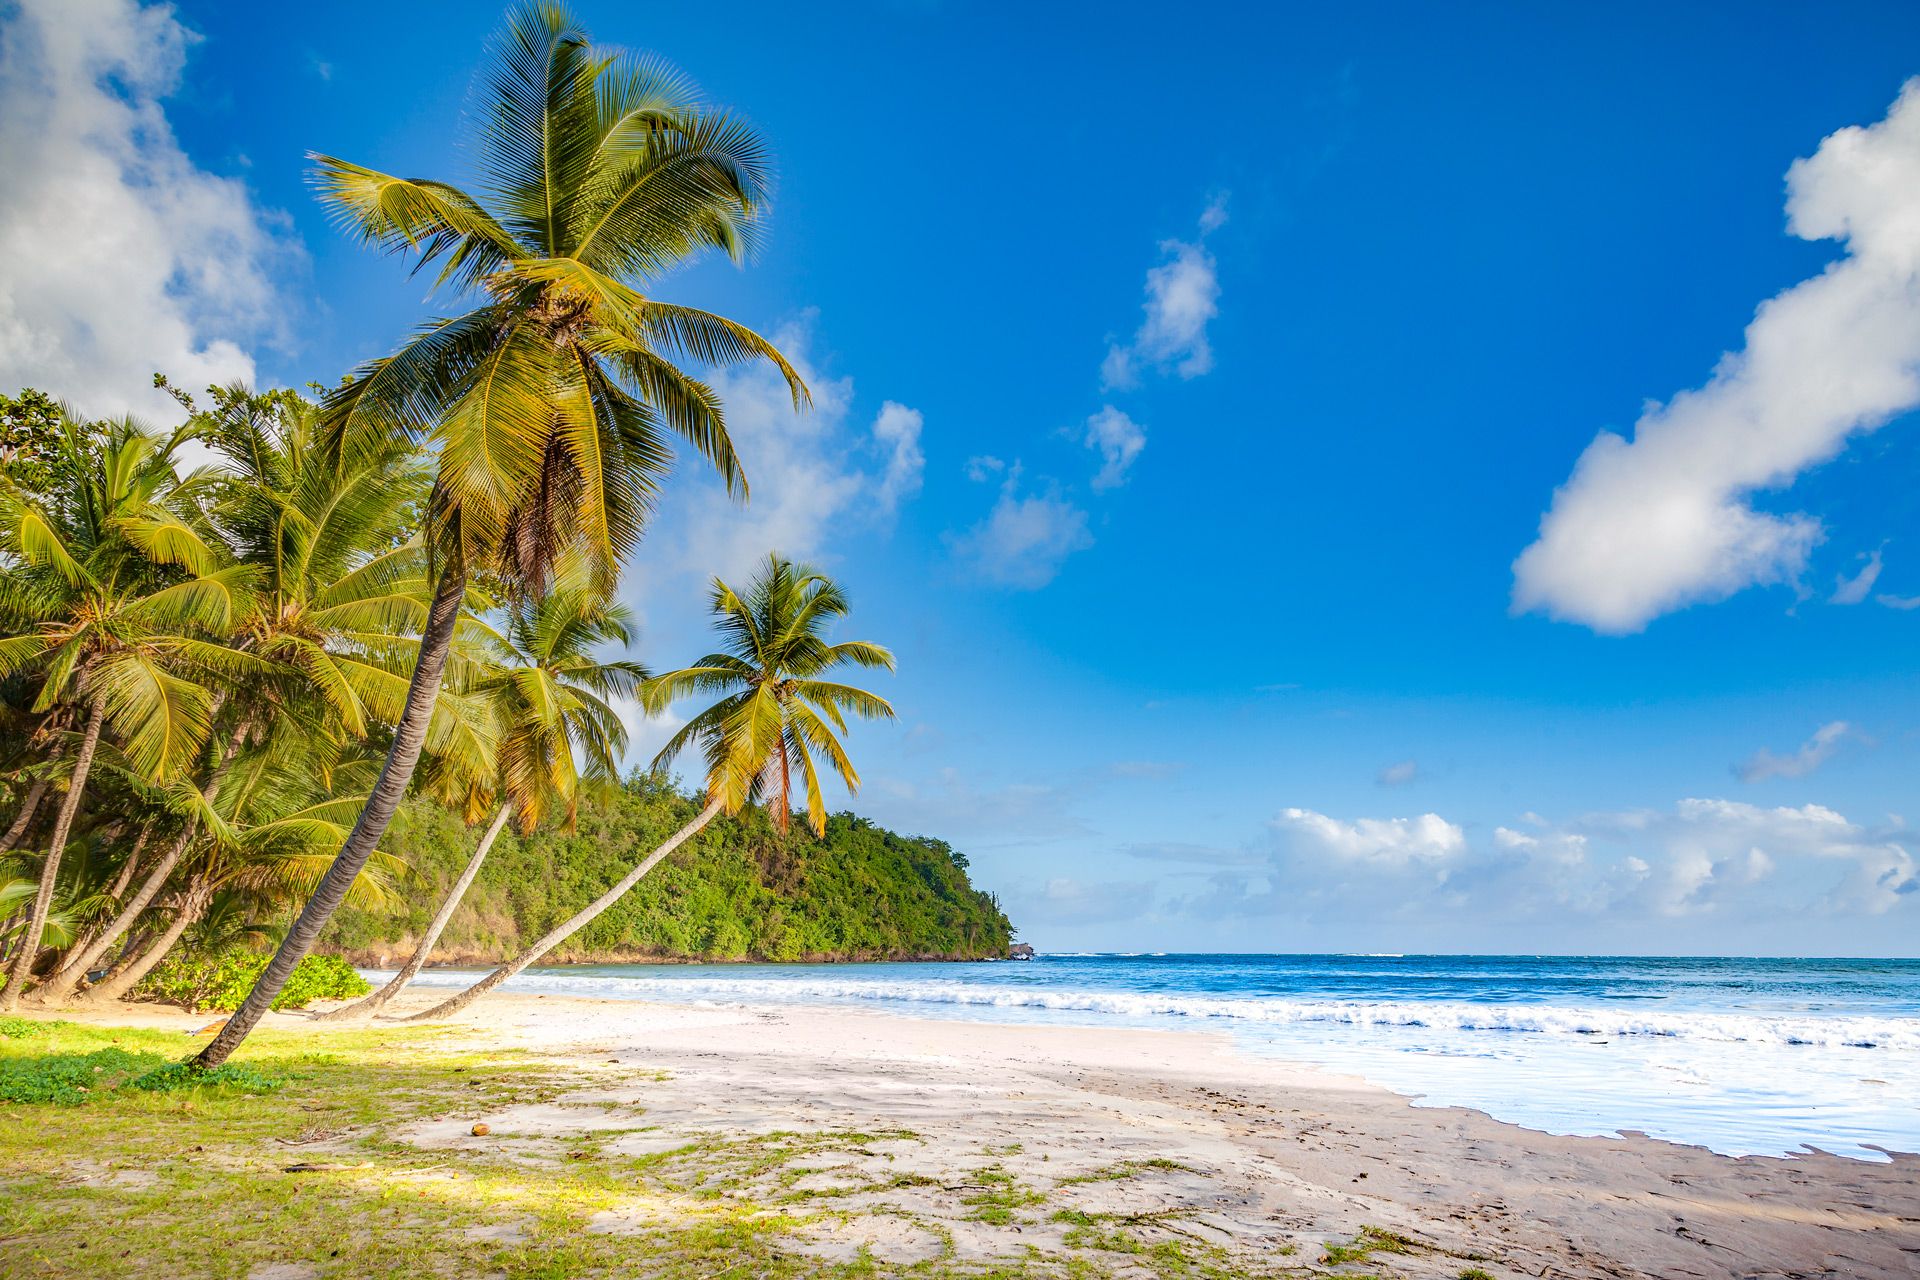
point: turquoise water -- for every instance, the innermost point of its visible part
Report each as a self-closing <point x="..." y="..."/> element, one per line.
<point x="1746" y="1056"/>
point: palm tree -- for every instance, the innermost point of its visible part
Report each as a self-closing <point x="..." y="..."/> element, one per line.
<point x="550" y="699"/>
<point x="268" y="836"/>
<point x="773" y="715"/>
<point x="549" y="405"/>
<point x="114" y="600"/>
<point x="338" y="586"/>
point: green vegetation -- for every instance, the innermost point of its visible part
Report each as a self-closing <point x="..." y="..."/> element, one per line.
<point x="221" y="979"/>
<point x="738" y="890"/>
<point x="774" y="716"/>
<point x="1370" y="1241"/>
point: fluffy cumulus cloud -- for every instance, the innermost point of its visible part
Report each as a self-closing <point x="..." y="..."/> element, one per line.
<point x="1707" y="858"/>
<point x="1183" y="296"/>
<point x="1380" y="840"/>
<point x="123" y="257"/>
<point x="1026" y="538"/>
<point x="1813" y="753"/>
<point x="814" y="476"/>
<point x="1118" y="440"/>
<point x="1650" y="525"/>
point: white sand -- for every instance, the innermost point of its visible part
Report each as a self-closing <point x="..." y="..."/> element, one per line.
<point x="1263" y="1155"/>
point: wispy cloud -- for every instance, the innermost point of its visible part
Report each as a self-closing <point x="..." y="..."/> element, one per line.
<point x="124" y="257"/>
<point x="1399" y="774"/>
<point x="1026" y="538"/>
<point x="1813" y="753"/>
<point x="1183" y="296"/>
<point x="1648" y="526"/>
<point x="1855" y="588"/>
<point x="1118" y="440"/>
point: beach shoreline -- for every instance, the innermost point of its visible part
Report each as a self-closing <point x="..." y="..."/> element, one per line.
<point x="1180" y="1133"/>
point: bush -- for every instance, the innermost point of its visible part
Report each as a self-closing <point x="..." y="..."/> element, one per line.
<point x="23" y="1028"/>
<point x="220" y="980"/>
<point x="69" y="1079"/>
<point x="176" y="1076"/>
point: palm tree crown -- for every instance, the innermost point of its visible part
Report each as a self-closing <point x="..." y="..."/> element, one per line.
<point x="549" y="403"/>
<point x="775" y="711"/>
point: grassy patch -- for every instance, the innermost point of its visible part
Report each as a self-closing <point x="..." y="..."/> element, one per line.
<point x="1370" y="1241"/>
<point x="304" y="1153"/>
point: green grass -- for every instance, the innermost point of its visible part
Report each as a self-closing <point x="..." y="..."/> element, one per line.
<point x="1370" y="1241"/>
<point x="298" y="1154"/>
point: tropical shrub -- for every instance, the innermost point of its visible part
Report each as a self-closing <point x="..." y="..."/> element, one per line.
<point x="68" y="1079"/>
<point x="220" y="980"/>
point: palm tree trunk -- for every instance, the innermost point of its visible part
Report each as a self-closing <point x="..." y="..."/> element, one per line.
<point x="447" y="1008"/>
<point x="398" y="983"/>
<point x="28" y="808"/>
<point x="192" y="907"/>
<point x="61" y="984"/>
<point x="50" y="865"/>
<point x="409" y="736"/>
<point x="121" y="879"/>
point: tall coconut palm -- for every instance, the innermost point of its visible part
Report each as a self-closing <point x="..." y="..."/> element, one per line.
<point x="549" y="695"/>
<point x="774" y="714"/>
<point x="549" y="405"/>
<point x="117" y="604"/>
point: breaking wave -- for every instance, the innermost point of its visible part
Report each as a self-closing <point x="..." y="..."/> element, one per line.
<point x="1838" y="1031"/>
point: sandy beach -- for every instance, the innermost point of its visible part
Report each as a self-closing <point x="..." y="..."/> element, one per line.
<point x="970" y="1143"/>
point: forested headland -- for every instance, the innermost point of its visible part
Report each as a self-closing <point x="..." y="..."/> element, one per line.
<point x="739" y="890"/>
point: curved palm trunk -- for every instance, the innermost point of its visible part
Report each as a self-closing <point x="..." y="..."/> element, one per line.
<point x="50" y="866"/>
<point x="116" y="987"/>
<point x="447" y="1008"/>
<point x="122" y="878"/>
<point x="28" y="808"/>
<point x="61" y="984"/>
<point x="398" y="983"/>
<point x="409" y="736"/>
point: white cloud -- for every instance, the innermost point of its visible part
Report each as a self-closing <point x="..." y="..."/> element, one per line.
<point x="1118" y="439"/>
<point x="807" y="472"/>
<point x="1903" y="603"/>
<point x="1399" y="774"/>
<point x="1813" y="753"/>
<point x="1585" y="879"/>
<point x="1388" y="840"/>
<point x="1023" y="541"/>
<point x="897" y="430"/>
<point x="123" y="257"/>
<point x="1650" y="526"/>
<point x="984" y="467"/>
<point x="1852" y="590"/>
<point x="1183" y="295"/>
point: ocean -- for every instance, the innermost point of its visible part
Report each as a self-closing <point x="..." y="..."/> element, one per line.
<point x="1744" y="1056"/>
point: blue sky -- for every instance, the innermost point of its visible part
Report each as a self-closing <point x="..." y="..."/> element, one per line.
<point x="1190" y="383"/>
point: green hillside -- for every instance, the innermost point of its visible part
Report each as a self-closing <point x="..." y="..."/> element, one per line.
<point x="738" y="891"/>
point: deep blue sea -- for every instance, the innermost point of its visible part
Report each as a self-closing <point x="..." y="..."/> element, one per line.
<point x="1744" y="1056"/>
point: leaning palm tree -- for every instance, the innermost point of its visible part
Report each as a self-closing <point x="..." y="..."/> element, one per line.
<point x="118" y="606"/>
<point x="774" y="714"/>
<point x="551" y="403"/>
<point x="549" y="695"/>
